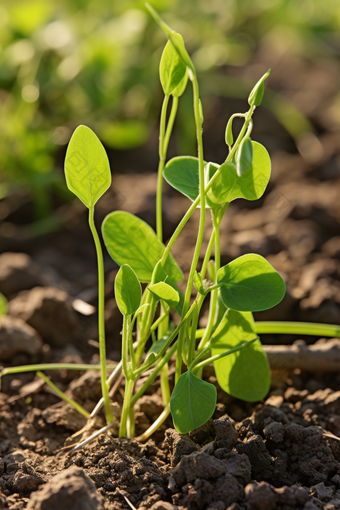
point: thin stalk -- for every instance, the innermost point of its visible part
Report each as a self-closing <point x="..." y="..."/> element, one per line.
<point x="158" y="323"/>
<point x="130" y="343"/>
<point x="100" y="404"/>
<point x="207" y="254"/>
<point x="154" y="374"/>
<point x="62" y="395"/>
<point x="202" y="364"/>
<point x="101" y="319"/>
<point x="125" y="348"/>
<point x="214" y="293"/>
<point x="159" y="227"/>
<point x="156" y="424"/>
<point x="52" y="366"/>
<point x="297" y="328"/>
<point x="126" y="408"/>
<point x="200" y="234"/>
<point x="170" y="125"/>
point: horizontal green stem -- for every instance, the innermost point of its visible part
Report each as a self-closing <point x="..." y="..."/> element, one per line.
<point x="222" y="355"/>
<point x="52" y="366"/>
<point x="297" y="328"/>
<point x="62" y="395"/>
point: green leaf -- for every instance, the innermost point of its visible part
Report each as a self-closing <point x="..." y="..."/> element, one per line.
<point x="171" y="70"/>
<point x="175" y="38"/>
<point x="178" y="91"/>
<point x="192" y="402"/>
<point x="130" y="240"/>
<point x="251" y="185"/>
<point x="3" y="305"/>
<point x="244" y="156"/>
<point x="159" y="275"/>
<point x="229" y="138"/>
<point x="128" y="290"/>
<point x="165" y="292"/>
<point x="182" y="174"/>
<point x="87" y="168"/>
<point x="256" y="95"/>
<point x="250" y="284"/>
<point x="244" y="374"/>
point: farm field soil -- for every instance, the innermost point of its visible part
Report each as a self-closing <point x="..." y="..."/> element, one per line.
<point x="282" y="453"/>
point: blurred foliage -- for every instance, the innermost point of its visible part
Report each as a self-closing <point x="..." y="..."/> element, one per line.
<point x="67" y="62"/>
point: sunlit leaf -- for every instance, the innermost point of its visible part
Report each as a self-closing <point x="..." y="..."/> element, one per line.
<point x="87" y="168"/>
<point x="244" y="374"/>
<point x="250" y="185"/>
<point x="128" y="290"/>
<point x="182" y="174"/>
<point x="165" y="292"/>
<point x="130" y="240"/>
<point x="250" y="283"/>
<point x="172" y="69"/>
<point x="192" y="403"/>
<point x="179" y="90"/>
<point x="256" y="95"/>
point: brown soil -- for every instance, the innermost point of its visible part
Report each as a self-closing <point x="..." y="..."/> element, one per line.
<point x="283" y="453"/>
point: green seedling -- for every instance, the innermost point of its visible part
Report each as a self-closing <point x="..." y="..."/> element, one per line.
<point x="248" y="284"/>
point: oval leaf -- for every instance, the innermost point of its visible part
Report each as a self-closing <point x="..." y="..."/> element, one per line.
<point x="250" y="185"/>
<point x="256" y="95"/>
<point x="250" y="284"/>
<point x="130" y="240"/>
<point x="192" y="402"/>
<point x="87" y="167"/>
<point x="244" y="374"/>
<point x="244" y="156"/>
<point x="128" y="290"/>
<point x="171" y="70"/>
<point x="229" y="138"/>
<point x="165" y="292"/>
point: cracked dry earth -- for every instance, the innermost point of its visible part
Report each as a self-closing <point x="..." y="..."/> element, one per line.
<point x="286" y="455"/>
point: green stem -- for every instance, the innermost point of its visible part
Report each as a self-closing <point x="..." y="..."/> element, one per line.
<point x="214" y="293"/>
<point x="125" y="347"/>
<point x="154" y="374"/>
<point x="202" y="364"/>
<point x="170" y="123"/>
<point x="126" y="408"/>
<point x="207" y="254"/>
<point x="101" y="319"/>
<point x="159" y="227"/>
<point x="201" y="224"/>
<point x="62" y="395"/>
<point x="297" y="328"/>
<point x="52" y="366"/>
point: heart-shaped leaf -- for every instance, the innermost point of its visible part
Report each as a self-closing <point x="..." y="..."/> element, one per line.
<point x="171" y="70"/>
<point x="128" y="291"/>
<point x="130" y="240"/>
<point x="250" y="185"/>
<point x="250" y="284"/>
<point x="165" y="292"/>
<point x="87" y="168"/>
<point x="192" y="402"/>
<point x="244" y="374"/>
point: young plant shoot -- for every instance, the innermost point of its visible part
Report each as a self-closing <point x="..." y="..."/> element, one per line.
<point x="248" y="284"/>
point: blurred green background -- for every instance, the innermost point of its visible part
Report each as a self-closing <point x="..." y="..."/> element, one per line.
<point x="95" y="62"/>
